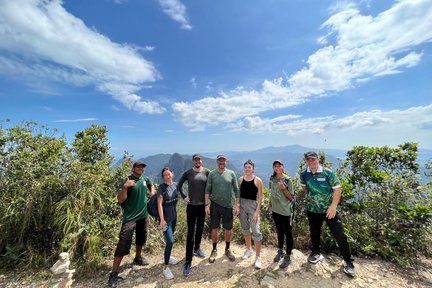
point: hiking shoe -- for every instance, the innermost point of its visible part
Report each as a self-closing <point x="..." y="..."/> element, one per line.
<point x="167" y="273"/>
<point x="186" y="269"/>
<point x="280" y="254"/>
<point x="229" y="255"/>
<point x="248" y="253"/>
<point x="286" y="261"/>
<point x="257" y="264"/>
<point x="315" y="258"/>
<point x="173" y="261"/>
<point x="114" y="279"/>
<point x="199" y="253"/>
<point x="349" y="268"/>
<point x="213" y="256"/>
<point x="141" y="261"/>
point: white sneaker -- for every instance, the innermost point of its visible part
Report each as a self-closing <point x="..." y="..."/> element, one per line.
<point x="167" y="273"/>
<point x="248" y="253"/>
<point x="173" y="261"/>
<point x="257" y="262"/>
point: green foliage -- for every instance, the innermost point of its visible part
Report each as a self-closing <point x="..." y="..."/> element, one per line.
<point x="388" y="212"/>
<point x="32" y="171"/>
<point x="56" y="198"/>
<point x="87" y="216"/>
<point x="91" y="145"/>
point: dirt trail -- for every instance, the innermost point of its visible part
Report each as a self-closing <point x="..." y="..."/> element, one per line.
<point x="224" y="274"/>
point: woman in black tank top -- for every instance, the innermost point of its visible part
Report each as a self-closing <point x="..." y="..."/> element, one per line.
<point x="248" y="189"/>
<point x="250" y="209"/>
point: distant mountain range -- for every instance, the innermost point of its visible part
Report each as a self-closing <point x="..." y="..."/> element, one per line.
<point x="263" y="159"/>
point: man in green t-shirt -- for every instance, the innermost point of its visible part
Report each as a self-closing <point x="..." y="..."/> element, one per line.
<point x="133" y="199"/>
<point x="222" y="188"/>
<point x="323" y="190"/>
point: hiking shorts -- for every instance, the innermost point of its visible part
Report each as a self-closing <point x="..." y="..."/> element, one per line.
<point x="218" y="213"/>
<point x="126" y="233"/>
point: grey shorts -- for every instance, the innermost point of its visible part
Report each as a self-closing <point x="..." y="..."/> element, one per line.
<point x="247" y="209"/>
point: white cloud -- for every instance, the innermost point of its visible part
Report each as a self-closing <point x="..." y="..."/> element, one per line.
<point x="414" y="118"/>
<point x="177" y="11"/>
<point x="42" y="40"/>
<point x="75" y="120"/>
<point x="364" y="47"/>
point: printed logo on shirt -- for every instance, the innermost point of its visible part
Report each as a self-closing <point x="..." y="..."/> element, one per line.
<point x="321" y="179"/>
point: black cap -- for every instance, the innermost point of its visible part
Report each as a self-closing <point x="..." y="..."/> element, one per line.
<point x="311" y="155"/>
<point x="221" y="157"/>
<point x="278" y="162"/>
<point x="139" y="163"/>
<point x="196" y="156"/>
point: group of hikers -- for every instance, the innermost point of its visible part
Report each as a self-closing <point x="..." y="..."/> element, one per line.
<point x="212" y="193"/>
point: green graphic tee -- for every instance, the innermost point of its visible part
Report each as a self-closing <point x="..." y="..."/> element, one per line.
<point x="320" y="187"/>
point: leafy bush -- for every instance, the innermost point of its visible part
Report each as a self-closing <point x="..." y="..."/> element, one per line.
<point x="56" y="198"/>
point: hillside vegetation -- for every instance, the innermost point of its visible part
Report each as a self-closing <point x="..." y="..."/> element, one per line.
<point x="57" y="196"/>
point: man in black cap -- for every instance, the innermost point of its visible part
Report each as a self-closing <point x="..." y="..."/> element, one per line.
<point x="323" y="190"/>
<point x="133" y="199"/>
<point x="196" y="178"/>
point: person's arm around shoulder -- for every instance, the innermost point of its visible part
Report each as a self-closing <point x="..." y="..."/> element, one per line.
<point x="122" y="196"/>
<point x="259" y="185"/>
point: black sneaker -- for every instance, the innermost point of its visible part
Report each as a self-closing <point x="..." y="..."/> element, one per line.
<point x="141" y="261"/>
<point x="349" y="268"/>
<point x="114" y="279"/>
<point x="315" y="258"/>
<point x="280" y="254"/>
<point x="286" y="261"/>
<point x="229" y="255"/>
<point x="213" y="255"/>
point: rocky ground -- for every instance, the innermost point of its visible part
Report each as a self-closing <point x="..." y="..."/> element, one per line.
<point x="223" y="273"/>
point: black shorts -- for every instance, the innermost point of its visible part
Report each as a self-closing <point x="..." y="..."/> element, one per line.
<point x="126" y="233"/>
<point x="218" y="212"/>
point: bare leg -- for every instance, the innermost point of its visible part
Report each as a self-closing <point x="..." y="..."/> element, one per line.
<point x="116" y="263"/>
<point x="248" y="240"/>
<point x="214" y="235"/>
<point x="138" y="250"/>
<point x="228" y="235"/>
<point x="257" y="245"/>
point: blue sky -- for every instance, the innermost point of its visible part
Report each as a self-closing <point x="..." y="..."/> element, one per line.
<point x="184" y="76"/>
